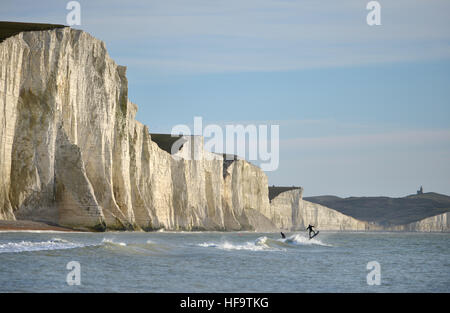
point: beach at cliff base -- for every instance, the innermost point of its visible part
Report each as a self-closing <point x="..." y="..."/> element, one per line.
<point x="30" y="226"/>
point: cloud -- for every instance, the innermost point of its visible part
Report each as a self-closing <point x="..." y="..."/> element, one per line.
<point x="254" y="35"/>
<point x="270" y="35"/>
<point x="395" y="138"/>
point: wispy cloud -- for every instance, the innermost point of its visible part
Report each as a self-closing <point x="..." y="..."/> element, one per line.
<point x="393" y="138"/>
<point x="255" y="35"/>
<point x="271" y="35"/>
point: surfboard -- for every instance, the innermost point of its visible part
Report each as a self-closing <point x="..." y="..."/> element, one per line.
<point x="317" y="232"/>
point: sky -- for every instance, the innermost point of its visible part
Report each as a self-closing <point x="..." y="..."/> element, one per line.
<point x="363" y="110"/>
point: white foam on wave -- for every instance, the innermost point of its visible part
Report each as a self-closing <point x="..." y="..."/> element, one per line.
<point x="303" y="240"/>
<point x="24" y="246"/>
<point x="112" y="242"/>
<point x="266" y="244"/>
<point x="58" y="244"/>
<point x="260" y="244"/>
<point x="145" y="248"/>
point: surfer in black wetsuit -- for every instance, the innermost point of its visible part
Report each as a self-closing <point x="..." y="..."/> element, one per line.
<point x="310" y="228"/>
<point x="283" y="235"/>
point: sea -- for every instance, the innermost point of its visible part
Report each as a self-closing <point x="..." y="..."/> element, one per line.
<point x="247" y="262"/>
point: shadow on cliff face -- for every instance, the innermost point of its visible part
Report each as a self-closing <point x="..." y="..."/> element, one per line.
<point x="32" y="188"/>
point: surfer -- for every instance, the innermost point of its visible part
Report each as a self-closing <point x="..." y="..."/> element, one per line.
<point x="283" y="235"/>
<point x="310" y="228"/>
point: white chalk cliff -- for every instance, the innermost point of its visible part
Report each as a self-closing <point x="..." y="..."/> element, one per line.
<point x="72" y="153"/>
<point x="437" y="223"/>
<point x="290" y="212"/>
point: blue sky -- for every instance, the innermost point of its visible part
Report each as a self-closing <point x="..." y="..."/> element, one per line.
<point x="362" y="110"/>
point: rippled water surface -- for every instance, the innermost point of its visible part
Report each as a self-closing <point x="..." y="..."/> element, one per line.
<point x="224" y="262"/>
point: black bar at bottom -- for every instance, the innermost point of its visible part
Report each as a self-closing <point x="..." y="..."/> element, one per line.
<point x="222" y="302"/>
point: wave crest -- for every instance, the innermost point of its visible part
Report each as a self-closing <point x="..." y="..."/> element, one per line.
<point x="25" y="246"/>
<point x="301" y="240"/>
<point x="265" y="243"/>
<point x="260" y="244"/>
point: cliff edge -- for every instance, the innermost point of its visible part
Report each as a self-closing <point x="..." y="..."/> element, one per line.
<point x="291" y="212"/>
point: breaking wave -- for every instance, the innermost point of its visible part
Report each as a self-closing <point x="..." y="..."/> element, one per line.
<point x="137" y="248"/>
<point x="109" y="241"/>
<point x="53" y="244"/>
<point x="300" y="240"/>
<point x="260" y="244"/>
<point x="62" y="244"/>
<point x="266" y="244"/>
<point x="263" y="243"/>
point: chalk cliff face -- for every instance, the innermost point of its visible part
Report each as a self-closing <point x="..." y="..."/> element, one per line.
<point x="437" y="223"/>
<point x="291" y="212"/>
<point x="72" y="153"/>
<point x="246" y="195"/>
